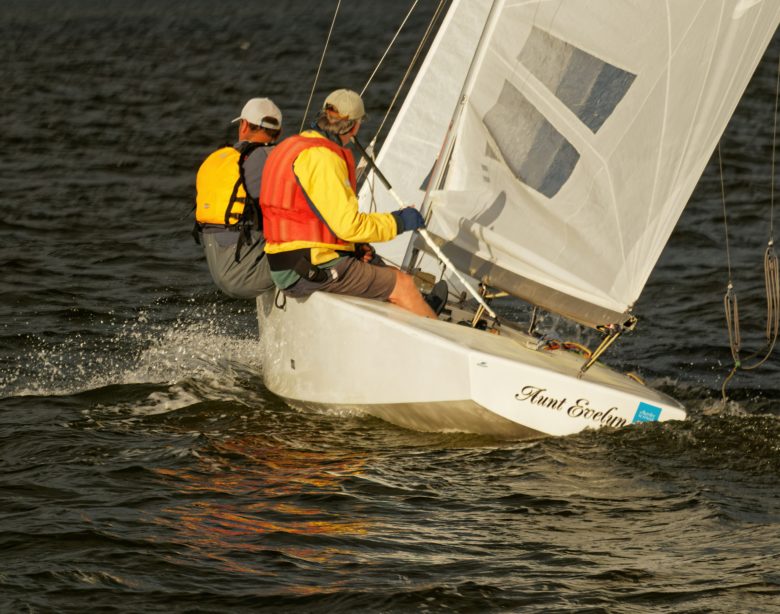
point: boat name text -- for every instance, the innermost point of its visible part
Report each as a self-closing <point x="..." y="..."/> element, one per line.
<point x="579" y="409"/>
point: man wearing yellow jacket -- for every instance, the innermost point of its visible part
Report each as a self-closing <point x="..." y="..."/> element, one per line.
<point x="311" y="218"/>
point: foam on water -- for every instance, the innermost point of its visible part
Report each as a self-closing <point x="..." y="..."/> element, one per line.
<point x="198" y="345"/>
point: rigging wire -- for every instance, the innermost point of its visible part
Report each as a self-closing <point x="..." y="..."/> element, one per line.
<point x="418" y="52"/>
<point x="415" y="58"/>
<point x="389" y="46"/>
<point x="319" y="68"/>
<point x="725" y="217"/>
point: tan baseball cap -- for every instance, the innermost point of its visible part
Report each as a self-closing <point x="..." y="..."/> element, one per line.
<point x="346" y="104"/>
<point x="261" y="112"/>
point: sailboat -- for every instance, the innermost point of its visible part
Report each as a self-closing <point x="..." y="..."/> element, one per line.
<point x="552" y="146"/>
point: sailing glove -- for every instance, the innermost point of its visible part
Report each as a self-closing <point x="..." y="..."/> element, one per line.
<point x="408" y="218"/>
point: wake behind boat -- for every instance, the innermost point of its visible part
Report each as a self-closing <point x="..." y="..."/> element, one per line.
<point x="553" y="147"/>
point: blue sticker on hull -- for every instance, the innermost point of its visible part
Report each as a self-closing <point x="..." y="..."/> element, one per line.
<point x="646" y="413"/>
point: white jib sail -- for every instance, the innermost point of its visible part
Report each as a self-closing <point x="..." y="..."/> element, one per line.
<point x="584" y="130"/>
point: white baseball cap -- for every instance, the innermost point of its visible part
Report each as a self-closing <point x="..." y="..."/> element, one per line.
<point x="346" y="104"/>
<point x="261" y="112"/>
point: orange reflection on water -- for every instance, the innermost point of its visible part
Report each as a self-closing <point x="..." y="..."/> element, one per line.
<point x="249" y="496"/>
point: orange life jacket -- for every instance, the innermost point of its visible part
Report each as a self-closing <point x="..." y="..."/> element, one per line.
<point x="288" y="214"/>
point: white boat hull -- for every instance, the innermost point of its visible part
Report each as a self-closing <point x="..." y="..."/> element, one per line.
<point x="330" y="351"/>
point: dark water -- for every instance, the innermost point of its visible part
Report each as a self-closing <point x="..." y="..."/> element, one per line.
<point x="146" y="469"/>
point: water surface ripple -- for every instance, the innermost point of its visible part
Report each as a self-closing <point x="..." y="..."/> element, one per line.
<point x="146" y="469"/>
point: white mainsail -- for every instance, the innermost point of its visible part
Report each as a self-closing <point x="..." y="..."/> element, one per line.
<point x="582" y="130"/>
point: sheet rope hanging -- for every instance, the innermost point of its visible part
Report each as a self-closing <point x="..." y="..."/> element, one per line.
<point x="771" y="279"/>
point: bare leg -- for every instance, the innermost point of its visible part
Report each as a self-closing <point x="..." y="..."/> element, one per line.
<point x="406" y="295"/>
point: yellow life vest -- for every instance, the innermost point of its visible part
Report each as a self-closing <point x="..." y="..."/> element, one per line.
<point x="220" y="185"/>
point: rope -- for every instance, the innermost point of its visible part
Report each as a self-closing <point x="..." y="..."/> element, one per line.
<point x="772" y="285"/>
<point x="771" y="278"/>
<point x="569" y="345"/>
<point x="774" y="149"/>
<point x="731" y="306"/>
<point x="319" y="68"/>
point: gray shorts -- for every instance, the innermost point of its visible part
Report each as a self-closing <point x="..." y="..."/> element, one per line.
<point x="352" y="277"/>
<point x="245" y="279"/>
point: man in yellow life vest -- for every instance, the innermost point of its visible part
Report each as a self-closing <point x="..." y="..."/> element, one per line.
<point x="311" y="218"/>
<point x="227" y="212"/>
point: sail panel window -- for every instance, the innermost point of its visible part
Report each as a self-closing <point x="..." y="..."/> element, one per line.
<point x="588" y="86"/>
<point x="518" y="130"/>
